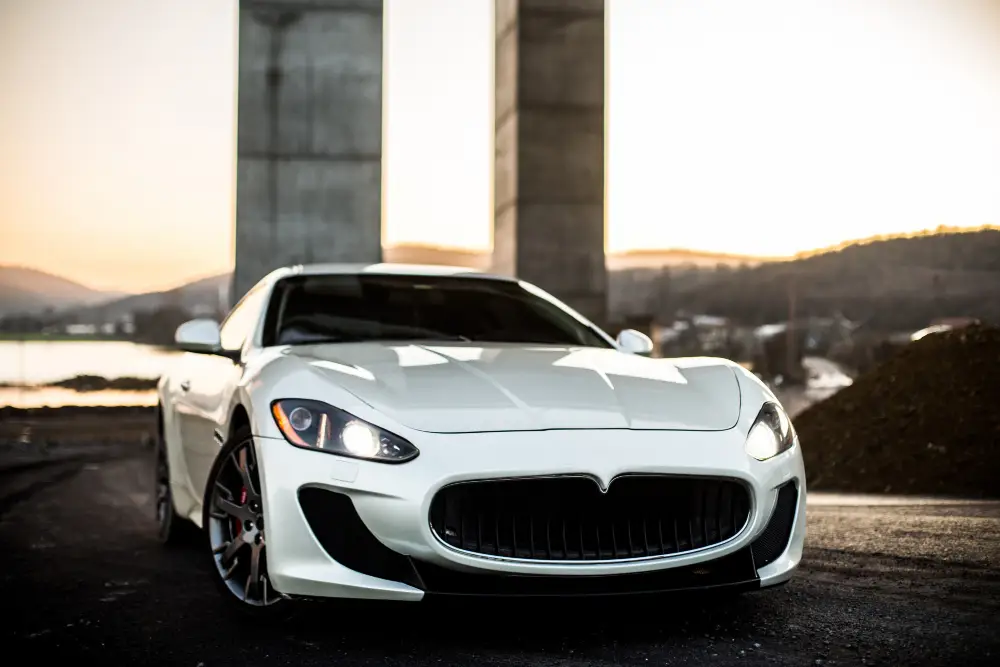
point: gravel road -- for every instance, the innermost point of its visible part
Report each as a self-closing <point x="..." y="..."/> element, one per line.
<point x="883" y="582"/>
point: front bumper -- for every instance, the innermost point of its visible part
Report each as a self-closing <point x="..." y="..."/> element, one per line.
<point x="357" y="529"/>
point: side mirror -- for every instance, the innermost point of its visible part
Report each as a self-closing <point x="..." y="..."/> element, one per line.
<point x="636" y="342"/>
<point x="200" y="335"/>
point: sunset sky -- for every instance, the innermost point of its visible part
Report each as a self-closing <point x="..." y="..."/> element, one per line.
<point x="764" y="127"/>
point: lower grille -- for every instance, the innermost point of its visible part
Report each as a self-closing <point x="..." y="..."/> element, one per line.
<point x="570" y="519"/>
<point x="733" y="571"/>
<point x="772" y="542"/>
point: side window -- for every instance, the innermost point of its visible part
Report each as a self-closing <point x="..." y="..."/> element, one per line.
<point x="240" y="323"/>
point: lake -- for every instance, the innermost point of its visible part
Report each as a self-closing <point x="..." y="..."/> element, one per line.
<point x="41" y="362"/>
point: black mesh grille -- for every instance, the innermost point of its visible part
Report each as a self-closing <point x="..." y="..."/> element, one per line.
<point x="343" y="535"/>
<point x="774" y="539"/>
<point x="734" y="570"/>
<point x="568" y="518"/>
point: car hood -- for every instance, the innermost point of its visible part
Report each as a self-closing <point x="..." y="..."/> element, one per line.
<point x="470" y="388"/>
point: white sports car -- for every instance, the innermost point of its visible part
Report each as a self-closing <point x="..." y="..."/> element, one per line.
<point x="395" y="432"/>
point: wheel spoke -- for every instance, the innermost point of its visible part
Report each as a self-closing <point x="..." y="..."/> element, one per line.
<point x="253" y="579"/>
<point x="237" y="461"/>
<point x="251" y="457"/>
<point x="244" y="470"/>
<point x="234" y="510"/>
<point x="230" y="549"/>
<point x="223" y="490"/>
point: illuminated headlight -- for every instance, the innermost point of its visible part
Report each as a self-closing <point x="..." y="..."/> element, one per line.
<point x="771" y="433"/>
<point x="316" y="425"/>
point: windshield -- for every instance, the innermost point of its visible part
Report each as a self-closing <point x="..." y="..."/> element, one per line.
<point x="352" y="308"/>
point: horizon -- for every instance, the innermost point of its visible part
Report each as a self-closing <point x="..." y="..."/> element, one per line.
<point x="874" y="119"/>
<point x="804" y="254"/>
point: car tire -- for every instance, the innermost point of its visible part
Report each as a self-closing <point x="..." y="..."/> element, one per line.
<point x="234" y="533"/>
<point x="172" y="529"/>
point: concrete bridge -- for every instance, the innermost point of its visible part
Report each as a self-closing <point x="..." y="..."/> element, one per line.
<point x="310" y="141"/>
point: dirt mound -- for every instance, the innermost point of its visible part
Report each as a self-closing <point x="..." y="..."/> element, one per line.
<point x="926" y="421"/>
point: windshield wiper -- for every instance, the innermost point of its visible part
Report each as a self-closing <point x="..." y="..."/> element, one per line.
<point x="401" y="337"/>
<point x="328" y="340"/>
<point x="420" y="333"/>
<point x="440" y="337"/>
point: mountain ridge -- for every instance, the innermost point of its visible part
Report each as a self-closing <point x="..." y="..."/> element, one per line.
<point x="948" y="270"/>
<point x="26" y="290"/>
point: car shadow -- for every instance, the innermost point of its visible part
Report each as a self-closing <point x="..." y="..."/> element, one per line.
<point x="531" y="625"/>
<point x="492" y="623"/>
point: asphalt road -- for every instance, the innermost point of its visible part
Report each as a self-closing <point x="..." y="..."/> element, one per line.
<point x="83" y="577"/>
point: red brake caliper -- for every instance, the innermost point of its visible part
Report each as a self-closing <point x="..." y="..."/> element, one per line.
<point x="243" y="501"/>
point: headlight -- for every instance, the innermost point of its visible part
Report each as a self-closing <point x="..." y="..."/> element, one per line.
<point x="771" y="433"/>
<point x="316" y="425"/>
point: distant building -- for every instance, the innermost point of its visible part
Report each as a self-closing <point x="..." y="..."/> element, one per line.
<point x="81" y="329"/>
<point x="770" y="330"/>
<point x="709" y="321"/>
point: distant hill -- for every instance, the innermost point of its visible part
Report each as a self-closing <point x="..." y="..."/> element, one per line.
<point x="210" y="294"/>
<point x="631" y="259"/>
<point x="29" y="291"/>
<point x="652" y="259"/>
<point x="425" y="254"/>
<point x="897" y="283"/>
<point x="204" y="296"/>
<point x="889" y="284"/>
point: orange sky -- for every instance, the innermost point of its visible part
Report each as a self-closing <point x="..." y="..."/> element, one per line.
<point x="751" y="128"/>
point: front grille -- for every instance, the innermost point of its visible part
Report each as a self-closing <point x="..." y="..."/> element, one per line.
<point x="570" y="519"/>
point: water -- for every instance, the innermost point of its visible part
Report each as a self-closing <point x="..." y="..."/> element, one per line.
<point x="57" y="397"/>
<point x="36" y="363"/>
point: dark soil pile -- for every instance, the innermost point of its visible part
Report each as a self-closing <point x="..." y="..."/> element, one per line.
<point x="926" y="421"/>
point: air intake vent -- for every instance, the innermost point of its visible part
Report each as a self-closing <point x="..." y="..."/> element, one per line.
<point x="343" y="535"/>
<point x="772" y="542"/>
<point x="570" y="519"/>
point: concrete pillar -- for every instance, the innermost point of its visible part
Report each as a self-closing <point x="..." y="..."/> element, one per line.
<point x="309" y="144"/>
<point x="548" y="219"/>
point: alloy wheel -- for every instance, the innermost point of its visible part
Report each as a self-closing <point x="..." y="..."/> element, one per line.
<point x="236" y="528"/>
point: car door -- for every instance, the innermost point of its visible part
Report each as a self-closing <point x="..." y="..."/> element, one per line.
<point x="209" y="385"/>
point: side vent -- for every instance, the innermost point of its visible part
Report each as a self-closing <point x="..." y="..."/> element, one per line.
<point x="773" y="541"/>
<point x="343" y="535"/>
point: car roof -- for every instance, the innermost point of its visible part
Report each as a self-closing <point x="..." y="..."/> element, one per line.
<point x="387" y="269"/>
